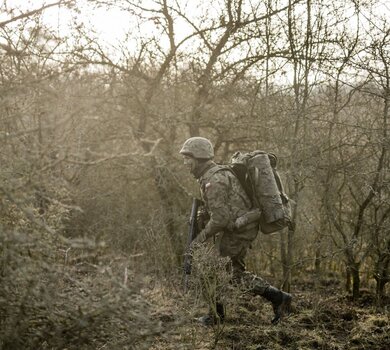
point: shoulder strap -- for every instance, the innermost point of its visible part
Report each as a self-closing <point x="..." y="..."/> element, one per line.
<point x="215" y="170"/>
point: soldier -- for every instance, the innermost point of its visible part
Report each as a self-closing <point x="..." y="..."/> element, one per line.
<point x="224" y="201"/>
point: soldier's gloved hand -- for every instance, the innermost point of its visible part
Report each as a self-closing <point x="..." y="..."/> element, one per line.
<point x="202" y="218"/>
<point x="200" y="238"/>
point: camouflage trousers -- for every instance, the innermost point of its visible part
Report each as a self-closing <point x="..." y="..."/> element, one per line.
<point x="244" y="279"/>
<point x="235" y="245"/>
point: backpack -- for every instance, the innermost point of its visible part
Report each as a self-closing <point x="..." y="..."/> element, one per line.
<point x="257" y="174"/>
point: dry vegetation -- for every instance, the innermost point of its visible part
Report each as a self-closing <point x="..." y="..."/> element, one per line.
<point x="324" y="317"/>
<point x="94" y="201"/>
<point x="87" y="298"/>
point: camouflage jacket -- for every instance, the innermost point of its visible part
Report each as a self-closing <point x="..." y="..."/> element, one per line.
<point x="224" y="198"/>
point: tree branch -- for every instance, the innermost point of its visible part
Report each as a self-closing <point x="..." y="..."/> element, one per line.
<point x="33" y="12"/>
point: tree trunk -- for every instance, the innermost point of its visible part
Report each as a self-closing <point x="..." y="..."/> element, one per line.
<point x="382" y="275"/>
<point x="290" y="259"/>
<point x="283" y="255"/>
<point x="355" y="271"/>
<point x="380" y="289"/>
<point x="348" y="279"/>
<point x="317" y="261"/>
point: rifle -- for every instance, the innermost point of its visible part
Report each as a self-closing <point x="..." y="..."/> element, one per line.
<point x="192" y="233"/>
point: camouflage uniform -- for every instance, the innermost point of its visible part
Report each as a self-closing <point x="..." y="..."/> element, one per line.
<point x="225" y="201"/>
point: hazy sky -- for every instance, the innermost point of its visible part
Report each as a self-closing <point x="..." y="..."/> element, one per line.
<point x="113" y="23"/>
<point x="110" y="24"/>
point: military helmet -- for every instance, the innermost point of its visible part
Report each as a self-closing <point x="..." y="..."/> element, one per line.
<point x="198" y="147"/>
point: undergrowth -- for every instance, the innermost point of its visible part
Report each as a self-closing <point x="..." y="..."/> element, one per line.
<point x="74" y="296"/>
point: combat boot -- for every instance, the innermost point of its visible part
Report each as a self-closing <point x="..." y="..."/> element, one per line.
<point x="210" y="319"/>
<point x="281" y="302"/>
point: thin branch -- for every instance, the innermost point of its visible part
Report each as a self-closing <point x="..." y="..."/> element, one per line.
<point x="33" y="12"/>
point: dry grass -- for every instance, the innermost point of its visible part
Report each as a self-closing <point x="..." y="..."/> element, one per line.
<point x="83" y="302"/>
<point x="95" y="299"/>
<point x="322" y="319"/>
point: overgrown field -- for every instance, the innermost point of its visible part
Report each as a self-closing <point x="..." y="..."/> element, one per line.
<point x="324" y="317"/>
<point x="88" y="298"/>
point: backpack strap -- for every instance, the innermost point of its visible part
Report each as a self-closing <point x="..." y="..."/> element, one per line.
<point x="215" y="170"/>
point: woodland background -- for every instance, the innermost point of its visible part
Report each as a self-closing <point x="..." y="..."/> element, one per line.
<point x="94" y="198"/>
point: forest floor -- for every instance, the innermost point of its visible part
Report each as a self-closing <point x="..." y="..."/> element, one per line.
<point x="114" y="304"/>
<point x="324" y="317"/>
<point x="110" y="301"/>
